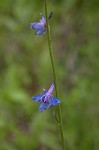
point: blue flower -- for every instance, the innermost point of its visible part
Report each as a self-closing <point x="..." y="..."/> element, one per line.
<point x="40" y="26"/>
<point x="46" y="99"/>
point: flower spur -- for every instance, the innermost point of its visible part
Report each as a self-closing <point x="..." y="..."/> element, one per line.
<point x="46" y="99"/>
<point x="40" y="26"/>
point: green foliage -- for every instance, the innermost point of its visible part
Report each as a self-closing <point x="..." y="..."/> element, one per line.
<point x="25" y="70"/>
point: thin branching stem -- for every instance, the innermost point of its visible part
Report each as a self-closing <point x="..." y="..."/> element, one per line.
<point x="54" y="75"/>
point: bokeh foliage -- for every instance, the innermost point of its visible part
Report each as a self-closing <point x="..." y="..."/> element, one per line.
<point x="25" y="69"/>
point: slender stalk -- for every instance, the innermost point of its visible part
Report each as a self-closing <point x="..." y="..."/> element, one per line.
<point x="54" y="75"/>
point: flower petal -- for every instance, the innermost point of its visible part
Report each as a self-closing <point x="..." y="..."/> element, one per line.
<point x="49" y="92"/>
<point x="37" y="98"/>
<point x="36" y="25"/>
<point x="54" y="101"/>
<point x="44" y="106"/>
<point x="43" y="20"/>
<point x="40" y="31"/>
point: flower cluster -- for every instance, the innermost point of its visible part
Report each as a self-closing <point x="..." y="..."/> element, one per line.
<point x="46" y="99"/>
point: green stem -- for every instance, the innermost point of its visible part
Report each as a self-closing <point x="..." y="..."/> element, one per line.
<point x="54" y="75"/>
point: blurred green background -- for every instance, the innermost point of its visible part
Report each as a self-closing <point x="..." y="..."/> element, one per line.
<point x="25" y="69"/>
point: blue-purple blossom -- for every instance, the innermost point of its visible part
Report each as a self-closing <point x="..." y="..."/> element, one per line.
<point x="46" y="99"/>
<point x="40" y="26"/>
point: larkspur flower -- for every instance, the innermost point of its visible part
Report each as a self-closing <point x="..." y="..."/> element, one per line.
<point x="40" y="26"/>
<point x="46" y="99"/>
